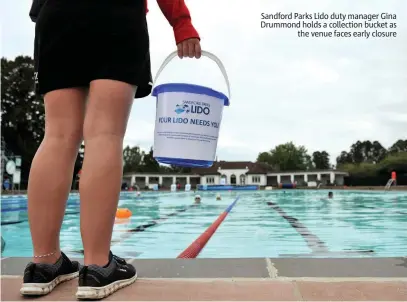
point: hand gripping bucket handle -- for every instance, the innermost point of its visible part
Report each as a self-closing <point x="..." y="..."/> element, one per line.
<point x="204" y="53"/>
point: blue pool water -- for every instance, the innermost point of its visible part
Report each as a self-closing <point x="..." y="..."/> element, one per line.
<point x="298" y="223"/>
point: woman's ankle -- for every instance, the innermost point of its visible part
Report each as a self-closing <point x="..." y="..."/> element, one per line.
<point x="97" y="259"/>
<point x="48" y="258"/>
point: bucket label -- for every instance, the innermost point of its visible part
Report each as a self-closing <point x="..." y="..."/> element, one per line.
<point x="185" y="120"/>
<point x="187" y="125"/>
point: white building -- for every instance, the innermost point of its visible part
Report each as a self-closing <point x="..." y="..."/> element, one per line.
<point x="236" y="173"/>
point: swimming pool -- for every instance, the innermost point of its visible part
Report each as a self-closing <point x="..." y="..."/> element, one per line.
<point x="294" y="223"/>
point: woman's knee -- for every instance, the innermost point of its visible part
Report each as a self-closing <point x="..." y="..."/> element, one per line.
<point x="108" y="109"/>
<point x="68" y="137"/>
<point x="64" y="115"/>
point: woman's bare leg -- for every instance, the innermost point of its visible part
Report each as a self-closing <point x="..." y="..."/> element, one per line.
<point x="107" y="113"/>
<point x="52" y="168"/>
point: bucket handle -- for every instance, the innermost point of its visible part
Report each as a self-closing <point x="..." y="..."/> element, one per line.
<point x="204" y="53"/>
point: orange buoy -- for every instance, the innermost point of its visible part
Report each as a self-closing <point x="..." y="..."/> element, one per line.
<point x="123" y="213"/>
<point x="393" y="175"/>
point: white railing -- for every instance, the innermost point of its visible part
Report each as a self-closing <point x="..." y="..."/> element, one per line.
<point x="319" y="185"/>
<point x="389" y="183"/>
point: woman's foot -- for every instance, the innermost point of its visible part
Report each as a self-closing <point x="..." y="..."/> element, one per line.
<point x="97" y="282"/>
<point x="41" y="278"/>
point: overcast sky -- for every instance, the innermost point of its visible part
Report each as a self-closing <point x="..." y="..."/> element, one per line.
<point x="321" y="93"/>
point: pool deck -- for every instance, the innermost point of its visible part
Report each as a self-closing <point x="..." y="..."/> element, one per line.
<point x="246" y="279"/>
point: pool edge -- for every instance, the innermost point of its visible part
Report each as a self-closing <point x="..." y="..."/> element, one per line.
<point x="257" y="268"/>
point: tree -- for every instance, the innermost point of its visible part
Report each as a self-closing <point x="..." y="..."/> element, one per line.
<point x="22" y="112"/>
<point x="394" y="162"/>
<point x="368" y="152"/>
<point x="177" y="169"/>
<point x="363" y="169"/>
<point x="264" y="157"/>
<point x="399" y="146"/>
<point x="356" y="151"/>
<point x="321" y="160"/>
<point x="136" y="160"/>
<point x="149" y="163"/>
<point x="363" y="152"/>
<point x="132" y="157"/>
<point x="308" y="161"/>
<point x="344" y="158"/>
<point x="287" y="157"/>
<point x="377" y="152"/>
<point x="367" y="159"/>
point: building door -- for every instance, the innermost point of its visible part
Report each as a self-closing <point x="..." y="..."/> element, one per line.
<point x="232" y="179"/>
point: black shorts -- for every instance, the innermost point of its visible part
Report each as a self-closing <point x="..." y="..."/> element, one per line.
<point x="78" y="41"/>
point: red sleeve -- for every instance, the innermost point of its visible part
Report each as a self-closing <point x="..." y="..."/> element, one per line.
<point x="179" y="17"/>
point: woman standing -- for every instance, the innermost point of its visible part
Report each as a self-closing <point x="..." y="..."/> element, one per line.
<point x="93" y="54"/>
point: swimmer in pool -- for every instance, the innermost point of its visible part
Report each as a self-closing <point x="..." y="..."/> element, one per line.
<point x="197" y="199"/>
<point x="330" y="195"/>
<point x="218" y="197"/>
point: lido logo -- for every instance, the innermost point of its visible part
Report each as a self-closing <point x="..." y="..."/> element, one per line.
<point x="192" y="109"/>
<point x="181" y="108"/>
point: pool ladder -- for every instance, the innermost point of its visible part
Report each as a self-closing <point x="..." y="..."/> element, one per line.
<point x="388" y="185"/>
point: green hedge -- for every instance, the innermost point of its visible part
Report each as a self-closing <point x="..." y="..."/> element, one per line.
<point x="394" y="162"/>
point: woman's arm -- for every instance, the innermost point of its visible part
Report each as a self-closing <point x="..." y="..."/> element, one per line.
<point x="179" y="18"/>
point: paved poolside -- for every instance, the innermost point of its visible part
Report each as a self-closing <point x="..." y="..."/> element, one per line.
<point x="259" y="279"/>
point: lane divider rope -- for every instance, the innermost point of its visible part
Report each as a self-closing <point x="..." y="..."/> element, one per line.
<point x="193" y="250"/>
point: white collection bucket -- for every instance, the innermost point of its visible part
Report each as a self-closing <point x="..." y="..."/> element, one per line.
<point x="188" y="120"/>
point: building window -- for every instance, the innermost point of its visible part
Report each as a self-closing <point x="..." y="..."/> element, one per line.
<point x="255" y="179"/>
<point x="210" y="180"/>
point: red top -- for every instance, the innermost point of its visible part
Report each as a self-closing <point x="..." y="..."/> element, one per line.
<point x="178" y="16"/>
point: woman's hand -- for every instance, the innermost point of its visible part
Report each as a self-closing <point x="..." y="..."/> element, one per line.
<point x="189" y="48"/>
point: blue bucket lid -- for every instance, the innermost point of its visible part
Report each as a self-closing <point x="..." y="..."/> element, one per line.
<point x="190" y="88"/>
<point x="183" y="162"/>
